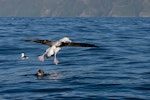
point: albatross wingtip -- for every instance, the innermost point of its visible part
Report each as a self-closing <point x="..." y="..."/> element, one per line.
<point x="32" y="40"/>
<point x="96" y="46"/>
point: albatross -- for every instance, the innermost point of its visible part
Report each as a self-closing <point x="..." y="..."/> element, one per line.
<point x="56" y="46"/>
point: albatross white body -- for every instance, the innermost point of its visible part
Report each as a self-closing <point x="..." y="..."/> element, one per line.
<point x="53" y="50"/>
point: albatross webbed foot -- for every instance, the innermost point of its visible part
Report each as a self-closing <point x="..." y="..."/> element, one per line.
<point x="55" y="61"/>
<point x="41" y="58"/>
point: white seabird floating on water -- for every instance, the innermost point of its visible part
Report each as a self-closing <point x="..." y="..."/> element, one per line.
<point x="56" y="46"/>
<point x="23" y="56"/>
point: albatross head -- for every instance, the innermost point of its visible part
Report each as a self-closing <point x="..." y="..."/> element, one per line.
<point x="65" y="39"/>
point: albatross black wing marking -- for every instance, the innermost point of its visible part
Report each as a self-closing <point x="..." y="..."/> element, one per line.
<point x="74" y="44"/>
<point x="47" y="42"/>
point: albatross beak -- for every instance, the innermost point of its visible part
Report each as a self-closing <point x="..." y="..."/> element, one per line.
<point x="69" y="41"/>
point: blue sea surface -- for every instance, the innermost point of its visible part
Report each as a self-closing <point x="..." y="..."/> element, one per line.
<point x="118" y="69"/>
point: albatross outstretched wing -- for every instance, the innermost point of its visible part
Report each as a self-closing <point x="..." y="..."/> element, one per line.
<point x="75" y="44"/>
<point x="47" y="42"/>
<point x="72" y="44"/>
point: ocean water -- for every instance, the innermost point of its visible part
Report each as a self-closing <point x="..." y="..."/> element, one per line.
<point x="119" y="69"/>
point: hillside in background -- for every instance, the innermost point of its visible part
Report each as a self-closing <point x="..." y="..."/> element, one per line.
<point x="75" y="8"/>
